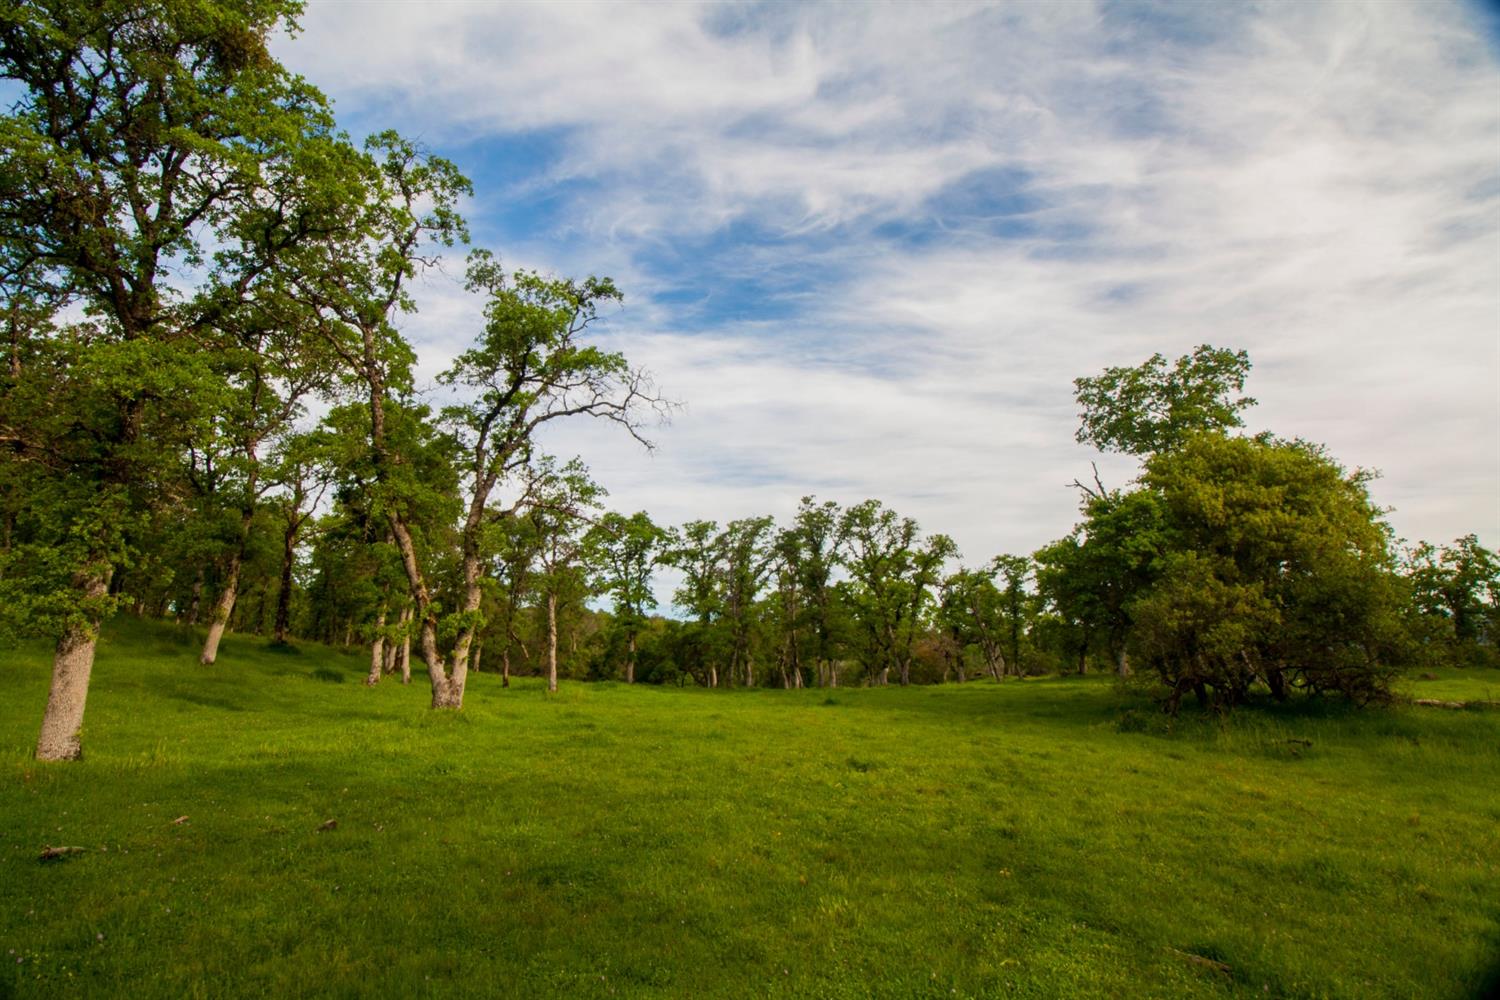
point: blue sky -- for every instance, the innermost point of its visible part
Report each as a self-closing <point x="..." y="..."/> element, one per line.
<point x="870" y="247"/>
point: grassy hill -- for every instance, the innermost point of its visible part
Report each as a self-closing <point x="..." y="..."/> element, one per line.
<point x="1037" y="839"/>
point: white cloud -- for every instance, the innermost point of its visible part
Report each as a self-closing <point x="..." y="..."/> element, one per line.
<point x="1319" y="184"/>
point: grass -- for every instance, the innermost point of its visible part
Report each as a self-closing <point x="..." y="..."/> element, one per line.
<point x="1037" y="839"/>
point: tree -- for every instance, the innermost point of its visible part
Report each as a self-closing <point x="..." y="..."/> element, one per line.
<point x="973" y="612"/>
<point x="1152" y="408"/>
<point x="811" y="553"/>
<point x="561" y="501"/>
<point x="1275" y="567"/>
<point x="1091" y="577"/>
<point x="393" y="210"/>
<point x="1456" y="599"/>
<point x="304" y="477"/>
<point x="695" y="549"/>
<point x="624" y="551"/>
<point x="746" y="561"/>
<point x="891" y="580"/>
<point x="529" y="368"/>
<point x="137" y="139"/>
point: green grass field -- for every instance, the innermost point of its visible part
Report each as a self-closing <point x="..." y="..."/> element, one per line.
<point x="1043" y="838"/>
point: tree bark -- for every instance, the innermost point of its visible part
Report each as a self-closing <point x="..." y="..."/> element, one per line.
<point x="447" y="691"/>
<point x="223" y="607"/>
<point x="284" y="594"/>
<point x="72" y="664"/>
<point x="551" y="642"/>
<point x="1122" y="663"/>
<point x="377" y="649"/>
<point x="192" y="615"/>
<point x="630" y="660"/>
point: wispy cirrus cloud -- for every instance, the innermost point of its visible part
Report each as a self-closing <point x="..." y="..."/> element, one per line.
<point x="871" y="247"/>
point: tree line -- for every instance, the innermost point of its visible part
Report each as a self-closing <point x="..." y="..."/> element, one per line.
<point x="193" y="256"/>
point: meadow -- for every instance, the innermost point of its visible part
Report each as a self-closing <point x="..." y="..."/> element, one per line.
<point x="269" y="827"/>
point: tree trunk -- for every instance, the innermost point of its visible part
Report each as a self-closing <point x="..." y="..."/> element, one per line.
<point x="478" y="656"/>
<point x="377" y="649"/>
<point x="284" y="594"/>
<point x="192" y="615"/>
<point x="713" y="676"/>
<point x="447" y="692"/>
<point x="72" y="663"/>
<point x="505" y="667"/>
<point x="551" y="642"/>
<point x="223" y="607"/>
<point x="630" y="660"/>
<point x="1122" y="663"/>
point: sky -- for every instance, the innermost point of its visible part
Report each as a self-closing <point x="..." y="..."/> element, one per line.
<point x="870" y="247"/>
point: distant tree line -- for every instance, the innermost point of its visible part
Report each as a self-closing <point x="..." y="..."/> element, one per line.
<point x="192" y="253"/>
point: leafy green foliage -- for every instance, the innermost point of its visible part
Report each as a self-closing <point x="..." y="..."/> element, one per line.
<point x="1152" y="407"/>
<point x="1276" y="567"/>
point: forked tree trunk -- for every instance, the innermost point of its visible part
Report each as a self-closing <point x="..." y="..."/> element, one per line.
<point x="551" y="642"/>
<point x="72" y="663"/>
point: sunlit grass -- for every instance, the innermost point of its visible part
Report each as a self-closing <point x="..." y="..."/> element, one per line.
<point x="1042" y="838"/>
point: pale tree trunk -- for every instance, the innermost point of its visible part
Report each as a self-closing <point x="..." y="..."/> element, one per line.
<point x="713" y="677"/>
<point x="630" y="660"/>
<point x="551" y="642"/>
<point x="223" y="607"/>
<point x="348" y="634"/>
<point x="749" y="673"/>
<point x="403" y="652"/>
<point x="505" y="667"/>
<point x="478" y="657"/>
<point x="377" y="649"/>
<point x="447" y="692"/>
<point x="72" y="663"/>
<point x="1122" y="663"/>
